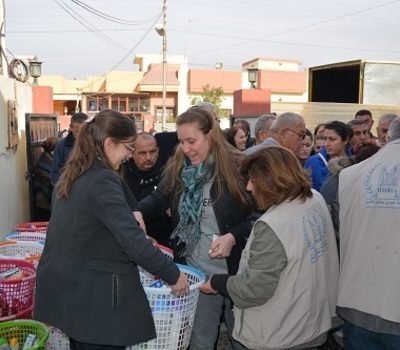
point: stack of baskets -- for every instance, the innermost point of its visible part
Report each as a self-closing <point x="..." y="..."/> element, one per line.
<point x="19" y="254"/>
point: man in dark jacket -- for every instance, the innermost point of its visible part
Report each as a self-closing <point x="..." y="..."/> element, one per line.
<point x="64" y="147"/>
<point x="142" y="175"/>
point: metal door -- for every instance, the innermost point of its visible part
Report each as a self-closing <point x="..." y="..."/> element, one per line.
<point x="38" y="128"/>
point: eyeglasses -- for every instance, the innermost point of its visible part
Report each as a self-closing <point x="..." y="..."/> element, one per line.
<point x="129" y="148"/>
<point x="302" y="134"/>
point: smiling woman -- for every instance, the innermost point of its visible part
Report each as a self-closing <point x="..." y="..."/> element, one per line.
<point x="94" y="242"/>
<point x="209" y="208"/>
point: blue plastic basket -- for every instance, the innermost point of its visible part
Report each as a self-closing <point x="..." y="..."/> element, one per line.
<point x="38" y="237"/>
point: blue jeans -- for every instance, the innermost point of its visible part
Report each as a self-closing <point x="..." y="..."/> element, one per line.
<point x="358" y="338"/>
<point x="207" y="321"/>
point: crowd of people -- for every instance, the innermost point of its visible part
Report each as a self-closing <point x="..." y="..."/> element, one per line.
<point x="270" y="220"/>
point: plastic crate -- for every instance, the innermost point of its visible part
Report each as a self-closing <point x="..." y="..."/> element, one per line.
<point x="16" y="294"/>
<point x="173" y="316"/>
<point x="36" y="226"/>
<point x="20" y="329"/>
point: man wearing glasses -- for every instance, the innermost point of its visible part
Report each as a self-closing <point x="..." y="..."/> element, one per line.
<point x="287" y="131"/>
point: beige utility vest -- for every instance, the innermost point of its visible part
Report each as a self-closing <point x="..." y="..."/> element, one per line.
<point x="369" y="197"/>
<point x="304" y="302"/>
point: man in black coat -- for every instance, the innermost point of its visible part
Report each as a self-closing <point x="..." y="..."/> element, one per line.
<point x="142" y="175"/>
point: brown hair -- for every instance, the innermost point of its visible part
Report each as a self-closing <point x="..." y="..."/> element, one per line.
<point x="227" y="159"/>
<point x="277" y="176"/>
<point x="90" y="145"/>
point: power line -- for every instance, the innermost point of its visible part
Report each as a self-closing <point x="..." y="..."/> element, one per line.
<point x="129" y="53"/>
<point x="300" y="27"/>
<point x="88" y="25"/>
<point x="108" y="17"/>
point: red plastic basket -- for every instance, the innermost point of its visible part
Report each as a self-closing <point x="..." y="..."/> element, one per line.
<point x="36" y="226"/>
<point x="23" y="315"/>
<point x="16" y="295"/>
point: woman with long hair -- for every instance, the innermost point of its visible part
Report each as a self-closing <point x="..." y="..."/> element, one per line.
<point x="88" y="282"/>
<point x="285" y="290"/>
<point x="206" y="194"/>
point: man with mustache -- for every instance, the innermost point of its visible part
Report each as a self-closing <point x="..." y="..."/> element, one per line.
<point x="142" y="175"/>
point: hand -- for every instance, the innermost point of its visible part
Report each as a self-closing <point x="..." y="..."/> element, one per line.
<point x="206" y="287"/>
<point x="181" y="287"/>
<point x="139" y="218"/>
<point x="222" y="246"/>
<point x="152" y="239"/>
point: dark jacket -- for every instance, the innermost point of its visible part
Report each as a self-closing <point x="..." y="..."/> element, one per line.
<point x="41" y="180"/>
<point x="231" y="217"/>
<point x="141" y="184"/>
<point x="88" y="282"/>
<point x="60" y="157"/>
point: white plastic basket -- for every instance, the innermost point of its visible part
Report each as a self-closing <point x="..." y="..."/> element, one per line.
<point x="57" y="340"/>
<point x="173" y="316"/>
<point x="37" y="237"/>
<point x="30" y="251"/>
<point x="147" y="278"/>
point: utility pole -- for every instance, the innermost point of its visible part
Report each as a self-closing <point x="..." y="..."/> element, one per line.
<point x="164" y="68"/>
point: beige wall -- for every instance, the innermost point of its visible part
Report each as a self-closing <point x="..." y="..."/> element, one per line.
<point x="14" y="200"/>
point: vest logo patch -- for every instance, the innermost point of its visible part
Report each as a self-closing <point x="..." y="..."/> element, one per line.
<point x="382" y="185"/>
<point x="314" y="233"/>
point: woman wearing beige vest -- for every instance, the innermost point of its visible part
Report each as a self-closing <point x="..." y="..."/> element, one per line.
<point x="285" y="289"/>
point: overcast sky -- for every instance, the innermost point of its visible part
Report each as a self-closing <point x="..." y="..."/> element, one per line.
<point x="74" y="42"/>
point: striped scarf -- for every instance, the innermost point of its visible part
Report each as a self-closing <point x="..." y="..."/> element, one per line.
<point x="191" y="206"/>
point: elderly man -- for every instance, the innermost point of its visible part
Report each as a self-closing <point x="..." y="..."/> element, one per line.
<point x="383" y="127"/>
<point x="369" y="284"/>
<point x="262" y="127"/>
<point x="142" y="175"/>
<point x="65" y="146"/>
<point x="287" y="131"/>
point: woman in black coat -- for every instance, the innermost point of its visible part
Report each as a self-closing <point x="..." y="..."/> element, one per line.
<point x="88" y="282"/>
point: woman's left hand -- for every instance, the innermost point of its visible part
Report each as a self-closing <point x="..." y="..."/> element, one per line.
<point x="206" y="288"/>
<point x="222" y="246"/>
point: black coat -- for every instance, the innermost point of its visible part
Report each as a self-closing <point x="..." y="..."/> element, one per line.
<point x="88" y="282"/>
<point x="141" y="184"/>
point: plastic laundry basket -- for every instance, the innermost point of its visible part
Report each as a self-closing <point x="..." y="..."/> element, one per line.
<point x="16" y="290"/>
<point x="38" y="237"/>
<point x="21" y="329"/>
<point x="24" y="250"/>
<point x="57" y="340"/>
<point x="173" y="316"/>
<point x="36" y="226"/>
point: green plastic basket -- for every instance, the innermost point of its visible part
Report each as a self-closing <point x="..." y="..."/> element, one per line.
<point x="21" y="328"/>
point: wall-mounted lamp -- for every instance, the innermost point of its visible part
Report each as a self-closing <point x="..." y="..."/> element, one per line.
<point x="35" y="69"/>
<point x="218" y="65"/>
<point x="253" y="77"/>
<point x="65" y="110"/>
